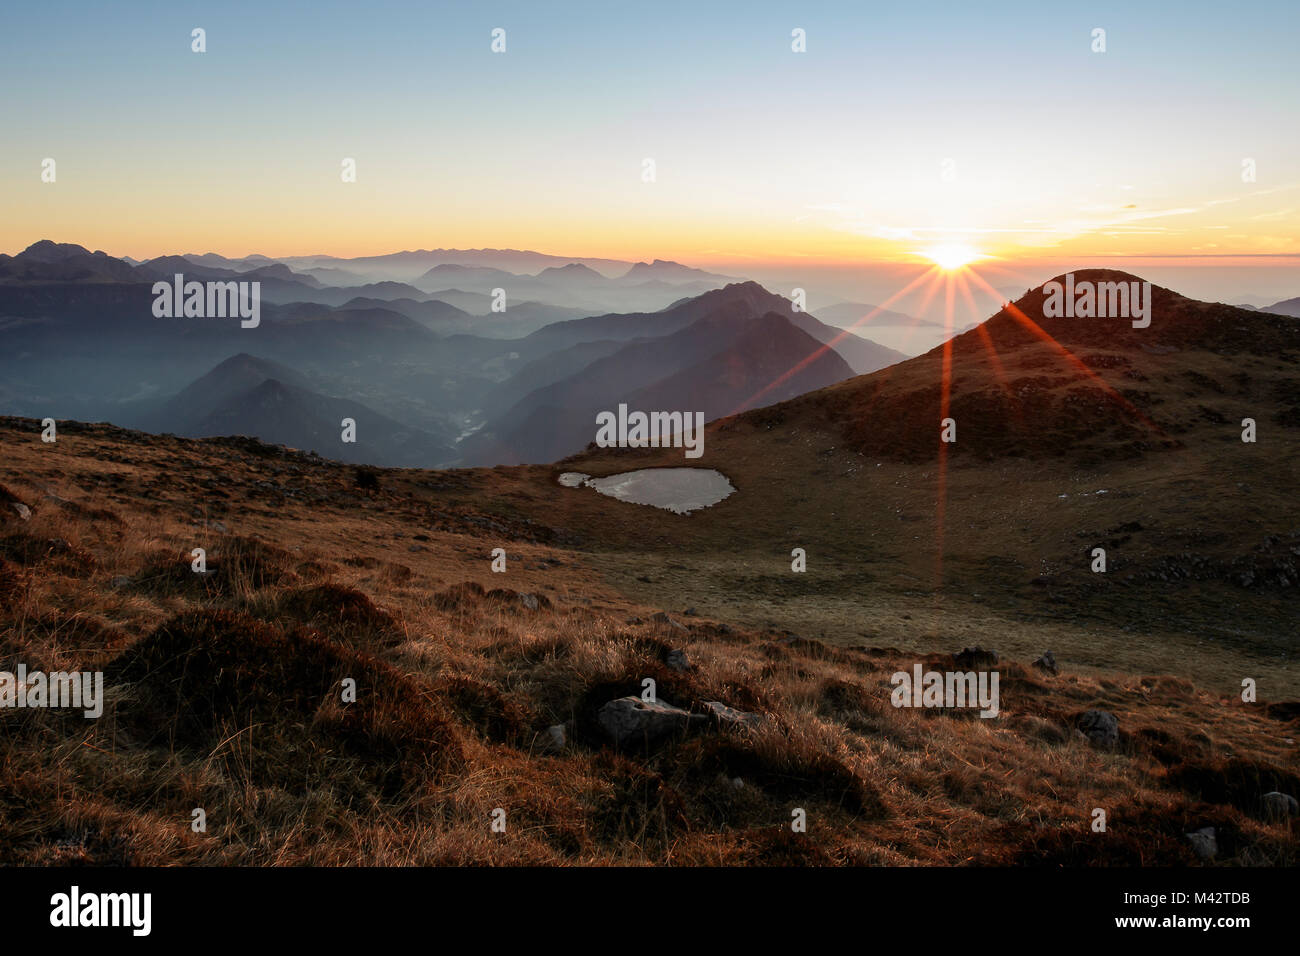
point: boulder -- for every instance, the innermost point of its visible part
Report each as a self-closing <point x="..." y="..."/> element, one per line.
<point x="1204" y="844"/>
<point x="529" y="601"/>
<point x="1047" y="663"/>
<point x="21" y="510"/>
<point x="1279" y="806"/>
<point x="552" y="739"/>
<point x="631" y="720"/>
<point x="1100" y="727"/>
<point x="677" y="661"/>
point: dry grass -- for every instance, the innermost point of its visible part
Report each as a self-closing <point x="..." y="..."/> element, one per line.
<point x="224" y="692"/>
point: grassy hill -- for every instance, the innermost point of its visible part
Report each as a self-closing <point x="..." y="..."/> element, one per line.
<point x="224" y="688"/>
<point x="1071" y="435"/>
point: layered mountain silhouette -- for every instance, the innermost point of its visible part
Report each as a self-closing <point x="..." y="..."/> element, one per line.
<point x="246" y="395"/>
<point x="736" y="299"/>
<point x="48" y="261"/>
<point x="663" y="270"/>
<point x="747" y="361"/>
<point x="464" y="277"/>
<point x="574" y="273"/>
<point x="1289" y="307"/>
<point x="433" y="314"/>
<point x="864" y="317"/>
<point x="409" y="265"/>
<point x="437" y="369"/>
<point x="574" y="285"/>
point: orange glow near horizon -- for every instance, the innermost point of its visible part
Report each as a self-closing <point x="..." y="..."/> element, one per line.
<point x="952" y="257"/>
<point x="109" y="222"/>
<point x="958" y="281"/>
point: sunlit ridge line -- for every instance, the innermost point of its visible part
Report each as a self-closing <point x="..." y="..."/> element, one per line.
<point x="1014" y="311"/>
<point x="813" y="356"/>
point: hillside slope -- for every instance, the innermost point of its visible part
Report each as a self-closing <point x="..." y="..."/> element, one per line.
<point x="1100" y="436"/>
<point x="717" y="365"/>
<point x="479" y="691"/>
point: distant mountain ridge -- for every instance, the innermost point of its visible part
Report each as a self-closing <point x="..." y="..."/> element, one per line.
<point x="740" y="298"/>
<point x="439" y="367"/>
<point x="247" y="395"/>
<point x="1289" y="307"/>
<point x="731" y="357"/>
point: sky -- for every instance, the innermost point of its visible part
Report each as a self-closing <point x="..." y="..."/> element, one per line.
<point x="994" y="127"/>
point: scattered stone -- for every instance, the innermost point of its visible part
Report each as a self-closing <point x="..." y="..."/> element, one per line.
<point x="121" y="581"/>
<point x="730" y="717"/>
<point x="1047" y="663"/>
<point x="631" y="720"/>
<point x="1279" y="806"/>
<point x="1204" y="844"/>
<point x="973" y="658"/>
<point x="737" y="783"/>
<point x="662" y="618"/>
<point x="553" y="738"/>
<point x="1100" y="727"/>
<point x="21" y="510"/>
<point x="529" y="600"/>
<point x="677" y="661"/>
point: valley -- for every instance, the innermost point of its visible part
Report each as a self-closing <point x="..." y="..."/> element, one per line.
<point x="495" y="617"/>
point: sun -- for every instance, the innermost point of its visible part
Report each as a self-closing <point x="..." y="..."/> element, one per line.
<point x="951" y="257"/>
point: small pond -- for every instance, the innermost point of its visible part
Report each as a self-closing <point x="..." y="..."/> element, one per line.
<point x="679" y="490"/>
